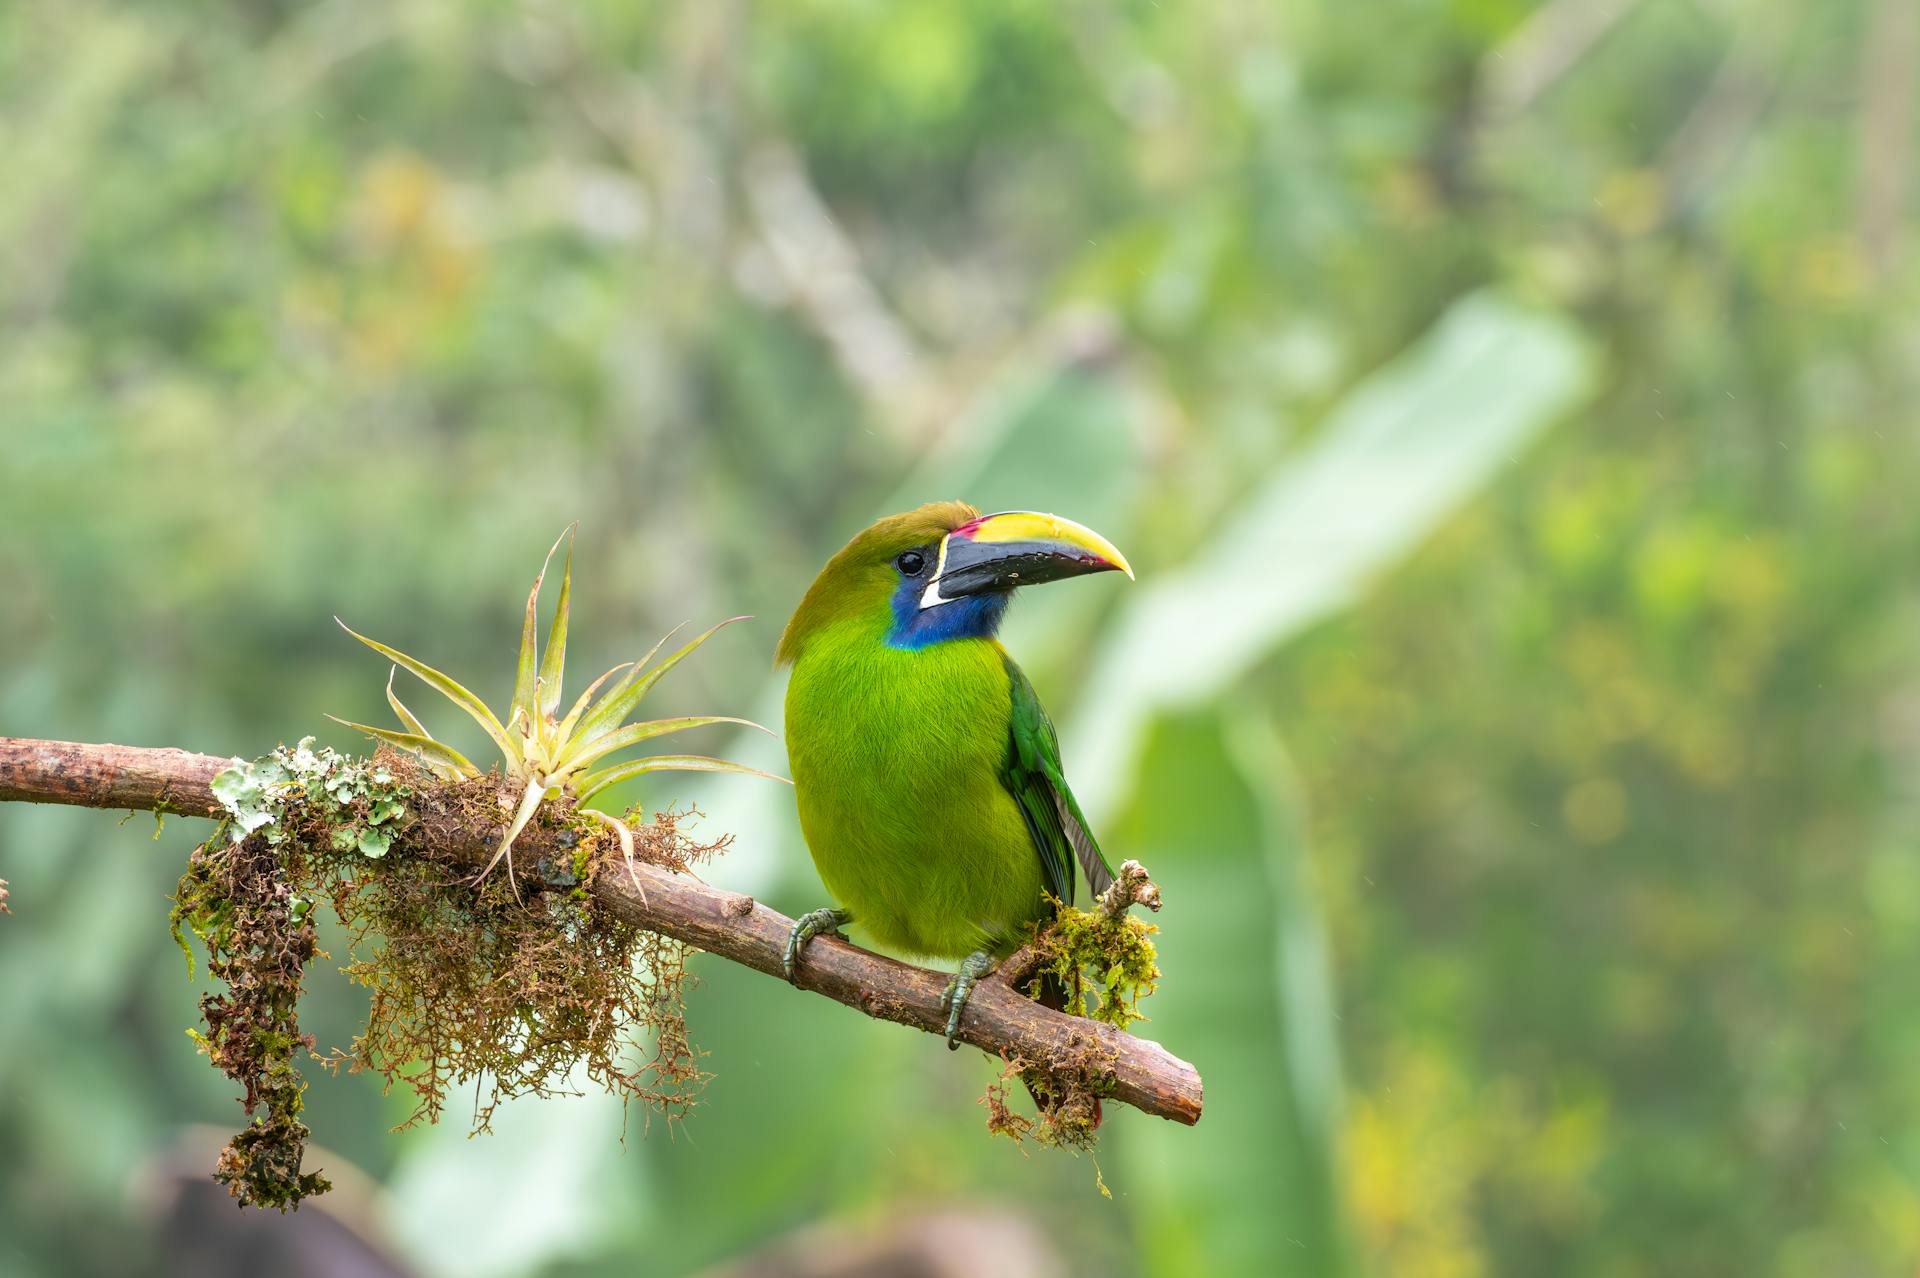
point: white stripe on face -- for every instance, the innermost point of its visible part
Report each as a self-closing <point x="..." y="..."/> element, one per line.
<point x="931" y="596"/>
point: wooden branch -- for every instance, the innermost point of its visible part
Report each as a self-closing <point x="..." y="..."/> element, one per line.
<point x="108" y="776"/>
<point x="998" y="1019"/>
<point x="1758" y="57"/>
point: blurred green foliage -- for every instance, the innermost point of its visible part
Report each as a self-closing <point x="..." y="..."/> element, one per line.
<point x="1545" y="906"/>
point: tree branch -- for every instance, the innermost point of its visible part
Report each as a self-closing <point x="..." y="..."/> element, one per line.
<point x="998" y="1019"/>
<point x="1542" y="50"/>
<point x="1885" y="148"/>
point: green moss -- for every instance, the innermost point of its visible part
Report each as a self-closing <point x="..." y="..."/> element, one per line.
<point x="238" y="896"/>
<point x="1069" y="1107"/>
<point x="1091" y="964"/>
<point x="235" y="898"/>
<point x="1116" y="952"/>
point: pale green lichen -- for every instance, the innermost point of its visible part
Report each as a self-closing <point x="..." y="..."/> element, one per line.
<point x="256" y="794"/>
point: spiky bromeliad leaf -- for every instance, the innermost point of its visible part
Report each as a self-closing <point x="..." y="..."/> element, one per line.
<point x="594" y="782"/>
<point x="407" y="718"/>
<point x="625" y="697"/>
<point x="527" y="680"/>
<point x="633" y="669"/>
<point x="451" y="690"/>
<point x="544" y="756"/>
<point x="635" y="733"/>
<point x="565" y="730"/>
<point x="442" y="760"/>
<point x="554" y="659"/>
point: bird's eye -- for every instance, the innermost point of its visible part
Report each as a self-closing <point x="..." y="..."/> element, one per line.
<point x="911" y="562"/>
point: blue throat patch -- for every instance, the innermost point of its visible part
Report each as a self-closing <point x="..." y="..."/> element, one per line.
<point x="969" y="617"/>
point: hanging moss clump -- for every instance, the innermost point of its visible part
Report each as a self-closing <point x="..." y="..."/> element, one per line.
<point x="515" y="983"/>
<point x="1098" y="964"/>
<point x="259" y="937"/>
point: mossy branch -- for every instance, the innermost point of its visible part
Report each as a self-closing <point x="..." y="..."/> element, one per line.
<point x="999" y="1020"/>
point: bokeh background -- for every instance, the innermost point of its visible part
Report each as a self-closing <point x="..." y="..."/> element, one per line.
<point x="1510" y="409"/>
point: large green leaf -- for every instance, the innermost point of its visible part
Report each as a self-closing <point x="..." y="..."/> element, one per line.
<point x="1310" y="1091"/>
<point x="1399" y="453"/>
<point x="1250" y="1190"/>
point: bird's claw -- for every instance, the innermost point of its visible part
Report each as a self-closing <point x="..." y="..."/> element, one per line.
<point x="954" y="1001"/>
<point x="826" y="921"/>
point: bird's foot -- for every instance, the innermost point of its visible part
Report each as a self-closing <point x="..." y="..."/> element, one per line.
<point x="954" y="1001"/>
<point x="826" y="921"/>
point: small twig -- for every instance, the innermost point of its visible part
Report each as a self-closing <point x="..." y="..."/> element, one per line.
<point x="999" y="1020"/>
<point x="1885" y="147"/>
<point x="1727" y="113"/>
<point x="1131" y="888"/>
<point x="820" y="268"/>
<point x="1540" y="53"/>
<point x="1018" y="968"/>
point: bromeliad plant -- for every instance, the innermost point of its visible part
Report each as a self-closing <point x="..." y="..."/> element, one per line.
<point x="545" y="755"/>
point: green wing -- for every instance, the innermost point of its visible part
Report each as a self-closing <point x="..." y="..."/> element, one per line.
<point x="1039" y="785"/>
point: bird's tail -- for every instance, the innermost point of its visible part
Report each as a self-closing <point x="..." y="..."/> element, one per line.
<point x="1052" y="991"/>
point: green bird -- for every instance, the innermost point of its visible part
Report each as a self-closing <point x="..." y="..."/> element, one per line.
<point x="927" y="775"/>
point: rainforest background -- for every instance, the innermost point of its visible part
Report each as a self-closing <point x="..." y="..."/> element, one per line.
<point x="1509" y="408"/>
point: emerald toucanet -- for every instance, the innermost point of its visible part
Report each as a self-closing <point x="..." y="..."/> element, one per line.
<point x="927" y="775"/>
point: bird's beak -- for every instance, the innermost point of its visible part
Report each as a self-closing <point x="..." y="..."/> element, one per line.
<point x="1017" y="548"/>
